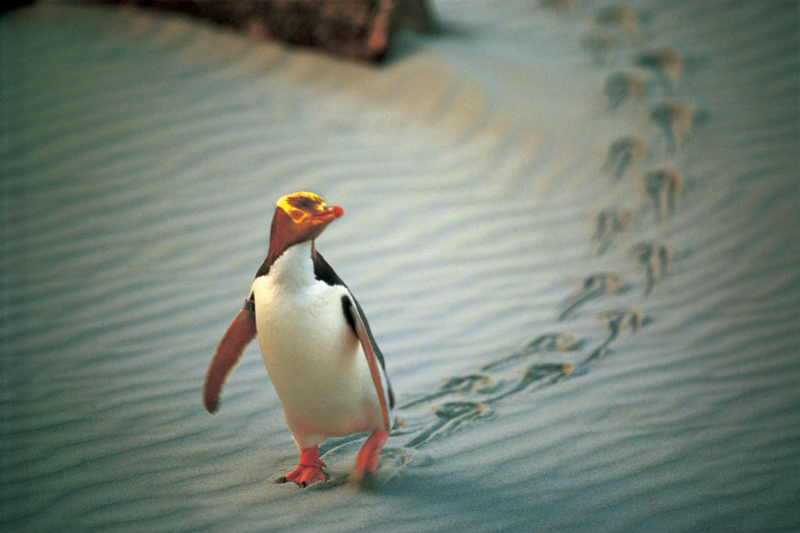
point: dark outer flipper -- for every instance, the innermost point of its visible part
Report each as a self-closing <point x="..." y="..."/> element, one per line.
<point x="372" y="361"/>
<point x="239" y="334"/>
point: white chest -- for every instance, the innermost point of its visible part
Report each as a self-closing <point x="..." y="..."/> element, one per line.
<point x="313" y="357"/>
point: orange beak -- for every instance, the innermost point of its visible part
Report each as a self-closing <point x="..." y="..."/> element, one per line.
<point x="327" y="215"/>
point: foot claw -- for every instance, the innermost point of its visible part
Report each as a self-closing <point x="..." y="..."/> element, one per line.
<point x="305" y="475"/>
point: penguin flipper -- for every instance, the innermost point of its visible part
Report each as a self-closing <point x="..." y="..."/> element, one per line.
<point x="239" y="334"/>
<point x="372" y="360"/>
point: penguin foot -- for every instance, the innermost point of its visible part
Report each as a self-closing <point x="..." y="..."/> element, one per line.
<point x="367" y="460"/>
<point x="309" y="470"/>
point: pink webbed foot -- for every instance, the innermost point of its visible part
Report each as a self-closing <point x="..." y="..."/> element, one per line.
<point x="367" y="460"/>
<point x="309" y="470"/>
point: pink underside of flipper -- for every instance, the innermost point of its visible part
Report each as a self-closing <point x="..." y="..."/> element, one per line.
<point x="238" y="335"/>
<point x="372" y="362"/>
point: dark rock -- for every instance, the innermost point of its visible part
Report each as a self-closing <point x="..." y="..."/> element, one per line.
<point x="359" y="29"/>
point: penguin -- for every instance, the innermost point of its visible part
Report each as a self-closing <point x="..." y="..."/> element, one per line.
<point x="316" y="343"/>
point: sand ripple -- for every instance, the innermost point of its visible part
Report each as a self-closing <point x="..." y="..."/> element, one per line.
<point x="589" y="308"/>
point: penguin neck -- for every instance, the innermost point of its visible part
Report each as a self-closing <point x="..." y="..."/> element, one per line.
<point x="295" y="266"/>
<point x="276" y="253"/>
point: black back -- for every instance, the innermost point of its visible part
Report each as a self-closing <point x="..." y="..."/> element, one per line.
<point x="324" y="272"/>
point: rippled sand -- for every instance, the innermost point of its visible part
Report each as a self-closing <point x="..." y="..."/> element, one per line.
<point x="574" y="231"/>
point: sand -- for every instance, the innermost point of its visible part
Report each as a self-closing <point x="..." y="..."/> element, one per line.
<point x="574" y="231"/>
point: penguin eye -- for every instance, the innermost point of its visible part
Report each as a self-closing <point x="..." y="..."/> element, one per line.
<point x="297" y="215"/>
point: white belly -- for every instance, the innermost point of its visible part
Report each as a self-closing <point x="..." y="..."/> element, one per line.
<point x="314" y="360"/>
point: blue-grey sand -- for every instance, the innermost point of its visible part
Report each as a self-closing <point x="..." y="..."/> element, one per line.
<point x="574" y="227"/>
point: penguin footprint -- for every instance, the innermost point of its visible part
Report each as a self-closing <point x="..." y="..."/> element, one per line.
<point x="593" y="287"/>
<point x="471" y="383"/>
<point x="449" y="416"/>
<point x="610" y="224"/>
<point x="656" y="258"/>
<point x="676" y="121"/>
<point x="550" y="342"/>
<point x="537" y="376"/>
<point x="480" y="383"/>
<point x="618" y="321"/>
<point x="624" y="154"/>
<point x="666" y="64"/>
<point x="664" y="186"/>
<point x="622" y="87"/>
<point x="395" y="459"/>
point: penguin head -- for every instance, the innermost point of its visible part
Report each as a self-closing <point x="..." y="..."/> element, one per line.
<point x="300" y="217"/>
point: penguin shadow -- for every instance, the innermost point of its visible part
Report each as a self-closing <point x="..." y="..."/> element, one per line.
<point x="593" y="287"/>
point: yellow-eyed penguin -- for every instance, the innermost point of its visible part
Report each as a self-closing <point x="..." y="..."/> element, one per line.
<point x="315" y="341"/>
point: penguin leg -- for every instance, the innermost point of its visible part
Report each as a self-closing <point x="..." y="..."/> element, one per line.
<point x="309" y="470"/>
<point x="367" y="460"/>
